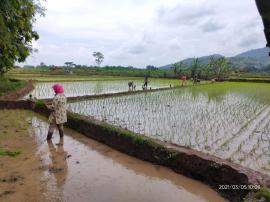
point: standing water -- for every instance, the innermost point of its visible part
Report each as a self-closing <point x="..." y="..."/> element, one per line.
<point x="80" y="169"/>
<point x="229" y="120"/>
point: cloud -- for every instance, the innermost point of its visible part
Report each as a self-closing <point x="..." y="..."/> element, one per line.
<point x="185" y="14"/>
<point x="138" y="49"/>
<point x="175" y="43"/>
<point x="211" y="26"/>
<point x="249" y="41"/>
<point x="140" y="32"/>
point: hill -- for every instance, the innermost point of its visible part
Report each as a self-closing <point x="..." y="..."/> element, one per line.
<point x="252" y="60"/>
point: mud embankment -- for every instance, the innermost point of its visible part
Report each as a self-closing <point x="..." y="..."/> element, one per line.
<point x="19" y="93"/>
<point x="21" y="104"/>
<point x="229" y="179"/>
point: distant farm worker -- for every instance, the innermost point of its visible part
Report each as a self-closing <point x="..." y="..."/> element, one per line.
<point x="196" y="80"/>
<point x="130" y="85"/>
<point x="184" y="79"/>
<point x="145" y="84"/>
<point x="58" y="114"/>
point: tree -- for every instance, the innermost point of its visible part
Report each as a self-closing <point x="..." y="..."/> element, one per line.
<point x="194" y="67"/>
<point x="70" y="64"/>
<point x="151" y="67"/>
<point x="99" y="57"/>
<point x="177" y="68"/>
<point x="219" y="67"/>
<point x="42" y="64"/>
<point x="16" y="30"/>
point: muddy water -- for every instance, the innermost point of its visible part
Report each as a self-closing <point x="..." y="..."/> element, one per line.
<point x="80" y="169"/>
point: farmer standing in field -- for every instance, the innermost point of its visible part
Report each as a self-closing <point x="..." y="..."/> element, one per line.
<point x="145" y="82"/>
<point x="130" y="85"/>
<point x="184" y="79"/>
<point x="58" y="115"/>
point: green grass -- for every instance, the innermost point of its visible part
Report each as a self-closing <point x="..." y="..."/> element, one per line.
<point x="47" y="77"/>
<point x="90" y="72"/>
<point x="259" y="75"/>
<point x="7" y="85"/>
<point x="4" y="152"/>
<point x="263" y="193"/>
<point x="40" y="103"/>
<point x="57" y="78"/>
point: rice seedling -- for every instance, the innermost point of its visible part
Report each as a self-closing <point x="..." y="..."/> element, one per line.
<point x="225" y="120"/>
<point x="44" y="90"/>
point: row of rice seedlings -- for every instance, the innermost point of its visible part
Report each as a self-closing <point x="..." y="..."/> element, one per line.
<point x="230" y="144"/>
<point x="179" y="117"/>
<point x="123" y="108"/>
<point x="256" y="148"/>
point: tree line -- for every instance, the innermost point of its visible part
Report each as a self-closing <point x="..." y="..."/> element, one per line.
<point x="217" y="68"/>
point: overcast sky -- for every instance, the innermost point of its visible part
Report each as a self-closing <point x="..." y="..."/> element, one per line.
<point x="145" y="32"/>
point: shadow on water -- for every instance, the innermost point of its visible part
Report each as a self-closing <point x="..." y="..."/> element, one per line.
<point x="84" y="169"/>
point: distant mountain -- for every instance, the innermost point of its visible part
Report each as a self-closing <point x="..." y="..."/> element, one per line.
<point x="255" y="53"/>
<point x="251" y="60"/>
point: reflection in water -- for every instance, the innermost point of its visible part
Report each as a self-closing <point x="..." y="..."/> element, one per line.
<point x="214" y="92"/>
<point x="95" y="172"/>
<point x="59" y="166"/>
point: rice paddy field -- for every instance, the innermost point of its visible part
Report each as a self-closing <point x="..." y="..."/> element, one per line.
<point x="228" y="120"/>
<point x="44" y="90"/>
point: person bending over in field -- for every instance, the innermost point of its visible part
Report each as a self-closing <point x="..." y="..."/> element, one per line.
<point x="130" y="85"/>
<point x="196" y="80"/>
<point x="58" y="114"/>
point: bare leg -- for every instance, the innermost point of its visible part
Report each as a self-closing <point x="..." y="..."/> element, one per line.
<point x="50" y="132"/>
<point x="61" y="130"/>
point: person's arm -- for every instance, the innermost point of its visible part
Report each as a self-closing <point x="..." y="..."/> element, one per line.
<point x="52" y="105"/>
<point x="48" y="104"/>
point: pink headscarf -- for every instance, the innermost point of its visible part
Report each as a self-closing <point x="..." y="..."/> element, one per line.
<point x="58" y="89"/>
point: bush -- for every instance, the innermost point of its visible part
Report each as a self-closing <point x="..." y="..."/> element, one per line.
<point x="263" y="194"/>
<point x="7" y="85"/>
<point x="40" y="103"/>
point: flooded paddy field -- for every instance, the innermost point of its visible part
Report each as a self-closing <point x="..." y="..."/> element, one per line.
<point x="80" y="169"/>
<point x="43" y="90"/>
<point x="97" y="172"/>
<point x="228" y="120"/>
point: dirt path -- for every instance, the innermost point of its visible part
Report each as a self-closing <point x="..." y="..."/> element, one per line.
<point x="80" y="169"/>
<point x="20" y="176"/>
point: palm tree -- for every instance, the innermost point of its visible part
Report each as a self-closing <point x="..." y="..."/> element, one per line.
<point x="177" y="68"/>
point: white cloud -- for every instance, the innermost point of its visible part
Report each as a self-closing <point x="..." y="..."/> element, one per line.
<point x="139" y="32"/>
